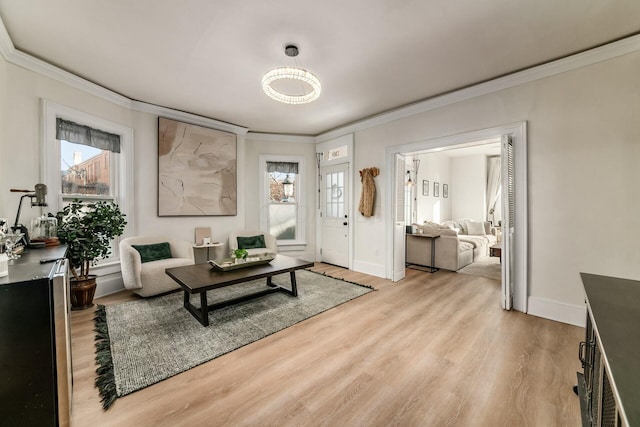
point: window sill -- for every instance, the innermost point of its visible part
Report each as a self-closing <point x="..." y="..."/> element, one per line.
<point x="292" y="247"/>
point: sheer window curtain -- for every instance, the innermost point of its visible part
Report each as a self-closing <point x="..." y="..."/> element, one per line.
<point x="493" y="189"/>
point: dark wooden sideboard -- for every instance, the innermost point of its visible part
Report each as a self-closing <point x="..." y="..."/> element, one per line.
<point x="35" y="346"/>
<point x="609" y="386"/>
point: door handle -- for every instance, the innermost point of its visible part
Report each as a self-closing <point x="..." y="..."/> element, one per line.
<point x="345" y="223"/>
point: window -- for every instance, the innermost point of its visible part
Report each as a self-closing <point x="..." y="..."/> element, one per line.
<point x="283" y="213"/>
<point x="87" y="158"/>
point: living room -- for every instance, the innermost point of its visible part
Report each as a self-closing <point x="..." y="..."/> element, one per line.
<point x="580" y="105"/>
<point x="432" y="204"/>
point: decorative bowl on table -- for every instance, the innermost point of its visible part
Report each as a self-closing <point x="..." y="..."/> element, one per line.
<point x="227" y="264"/>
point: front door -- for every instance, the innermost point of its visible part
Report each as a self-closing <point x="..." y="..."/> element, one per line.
<point x="334" y="213"/>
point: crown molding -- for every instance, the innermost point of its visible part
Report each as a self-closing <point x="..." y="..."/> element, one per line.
<point x="569" y="63"/>
<point x="31" y="63"/>
<point x="195" y="119"/>
<point x="280" y="137"/>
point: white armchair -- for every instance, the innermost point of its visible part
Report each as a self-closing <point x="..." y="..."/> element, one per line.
<point x="270" y="243"/>
<point x="149" y="278"/>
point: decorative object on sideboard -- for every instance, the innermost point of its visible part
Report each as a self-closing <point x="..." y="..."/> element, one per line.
<point x="38" y="198"/>
<point x="88" y="230"/>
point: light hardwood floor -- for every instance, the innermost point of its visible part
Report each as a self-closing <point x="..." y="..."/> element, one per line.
<point x="431" y="350"/>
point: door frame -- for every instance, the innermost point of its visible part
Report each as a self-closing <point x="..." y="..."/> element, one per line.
<point x="321" y="149"/>
<point x="518" y="132"/>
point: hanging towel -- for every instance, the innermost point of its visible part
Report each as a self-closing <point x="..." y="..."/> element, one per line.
<point x="368" y="195"/>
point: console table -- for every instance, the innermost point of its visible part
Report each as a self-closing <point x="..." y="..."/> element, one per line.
<point x="610" y="355"/>
<point x="413" y="255"/>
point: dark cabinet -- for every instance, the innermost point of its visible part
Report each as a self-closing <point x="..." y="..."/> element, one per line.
<point x="610" y="353"/>
<point x="35" y="350"/>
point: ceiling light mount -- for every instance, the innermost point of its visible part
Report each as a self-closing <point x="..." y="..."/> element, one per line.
<point x="291" y="73"/>
<point x="291" y="50"/>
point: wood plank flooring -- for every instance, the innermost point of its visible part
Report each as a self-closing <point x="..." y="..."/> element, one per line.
<point x="431" y="350"/>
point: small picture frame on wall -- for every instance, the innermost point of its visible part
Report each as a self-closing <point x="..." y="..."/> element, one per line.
<point x="436" y="189"/>
<point x="445" y="190"/>
<point x="425" y="187"/>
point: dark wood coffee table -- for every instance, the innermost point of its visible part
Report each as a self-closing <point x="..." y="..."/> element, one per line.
<point x="200" y="278"/>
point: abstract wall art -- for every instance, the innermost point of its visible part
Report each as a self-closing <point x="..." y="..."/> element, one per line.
<point x="196" y="170"/>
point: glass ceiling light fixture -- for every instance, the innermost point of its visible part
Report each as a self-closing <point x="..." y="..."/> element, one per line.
<point x="291" y="73"/>
<point x="408" y="182"/>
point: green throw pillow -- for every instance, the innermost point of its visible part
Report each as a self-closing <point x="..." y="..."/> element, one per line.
<point x="153" y="252"/>
<point x="251" y="242"/>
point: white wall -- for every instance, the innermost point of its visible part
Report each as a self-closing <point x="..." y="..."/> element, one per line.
<point x="583" y="155"/>
<point x="468" y="187"/>
<point x="20" y="153"/>
<point x="254" y="148"/>
<point x="434" y="167"/>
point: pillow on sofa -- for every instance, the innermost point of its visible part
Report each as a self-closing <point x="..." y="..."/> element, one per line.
<point x="438" y="230"/>
<point x="154" y="251"/>
<point x="475" y="228"/>
<point x="251" y="242"/>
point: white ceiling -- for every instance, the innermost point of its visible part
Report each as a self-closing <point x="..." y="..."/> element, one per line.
<point x="207" y="56"/>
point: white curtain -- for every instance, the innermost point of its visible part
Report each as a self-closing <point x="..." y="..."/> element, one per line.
<point x="494" y="180"/>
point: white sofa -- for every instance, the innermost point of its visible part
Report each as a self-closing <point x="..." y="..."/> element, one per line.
<point x="149" y="278"/>
<point x="460" y="243"/>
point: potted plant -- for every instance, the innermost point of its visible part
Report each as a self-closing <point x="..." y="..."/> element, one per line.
<point x="87" y="230"/>
<point x="240" y="255"/>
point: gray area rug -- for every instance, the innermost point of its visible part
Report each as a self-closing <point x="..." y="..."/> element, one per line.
<point x="142" y="342"/>
<point x="488" y="267"/>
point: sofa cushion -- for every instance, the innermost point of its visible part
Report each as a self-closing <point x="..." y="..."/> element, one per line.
<point x="251" y="242"/>
<point x="475" y="228"/>
<point x="154" y="251"/>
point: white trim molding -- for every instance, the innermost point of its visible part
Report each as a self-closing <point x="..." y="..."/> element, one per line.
<point x="589" y="57"/>
<point x="369" y="268"/>
<point x="26" y="61"/>
<point x="279" y="137"/>
<point x="559" y="311"/>
<point x="572" y="62"/>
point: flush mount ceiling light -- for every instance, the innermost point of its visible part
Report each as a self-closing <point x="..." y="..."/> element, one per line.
<point x="292" y="74"/>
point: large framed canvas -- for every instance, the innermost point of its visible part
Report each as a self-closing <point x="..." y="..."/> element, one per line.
<point x="196" y="170"/>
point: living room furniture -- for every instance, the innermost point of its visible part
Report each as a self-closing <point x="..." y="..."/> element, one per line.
<point x="418" y="257"/>
<point x="200" y="255"/>
<point x="496" y="251"/>
<point x="200" y="278"/>
<point x="270" y="242"/>
<point x="35" y="340"/>
<point x="610" y="355"/>
<point x="148" y="278"/>
<point x="460" y="243"/>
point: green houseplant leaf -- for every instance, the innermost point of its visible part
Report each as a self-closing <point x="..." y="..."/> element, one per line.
<point x="88" y="229"/>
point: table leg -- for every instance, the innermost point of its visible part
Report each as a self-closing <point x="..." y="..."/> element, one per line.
<point x="294" y="286"/>
<point x="269" y="282"/>
<point x="204" y="309"/>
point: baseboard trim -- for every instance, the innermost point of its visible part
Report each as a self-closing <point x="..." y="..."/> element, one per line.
<point x="377" y="270"/>
<point x="109" y="284"/>
<point x="559" y="311"/>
